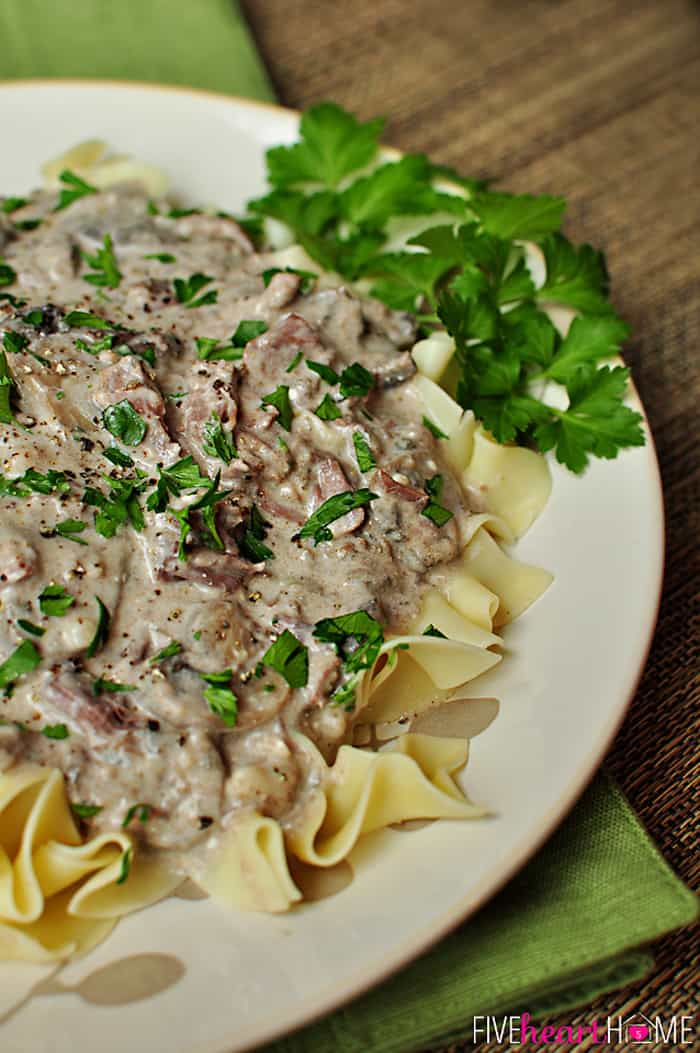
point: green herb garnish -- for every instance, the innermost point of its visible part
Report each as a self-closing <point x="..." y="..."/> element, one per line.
<point x="55" y="731"/>
<point x="74" y="188"/>
<point x="87" y="320"/>
<point x="110" y="687"/>
<point x="69" y="529"/>
<point x="327" y="409"/>
<point x="433" y="428"/>
<point x="55" y="601"/>
<point x="125" y="867"/>
<point x="124" y="422"/>
<point x="279" y="398"/>
<point x="30" y="627"/>
<point x="317" y="525"/>
<point x="251" y="545"/>
<point x="357" y="638"/>
<point x="106" y="273"/>
<point x="169" y="651"/>
<point x="142" y="811"/>
<point x="162" y="257"/>
<point x="365" y="458"/>
<point x="86" y="811"/>
<point x="186" y="290"/>
<point x="23" y="659"/>
<point x="307" y="277"/>
<point x="433" y="510"/>
<point x="101" y="633"/>
<point x="217" y="443"/>
<point x="290" y="658"/>
<point x="220" y="697"/>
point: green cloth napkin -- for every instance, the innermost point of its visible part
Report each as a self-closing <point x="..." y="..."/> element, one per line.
<point x="573" y="924"/>
<point x="202" y="43"/>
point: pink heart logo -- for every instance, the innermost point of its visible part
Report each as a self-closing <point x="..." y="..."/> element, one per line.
<point x="638" y="1032"/>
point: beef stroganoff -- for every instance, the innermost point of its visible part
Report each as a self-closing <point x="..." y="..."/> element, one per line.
<point x="241" y="532"/>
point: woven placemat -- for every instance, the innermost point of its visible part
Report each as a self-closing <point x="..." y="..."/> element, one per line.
<point x="597" y="101"/>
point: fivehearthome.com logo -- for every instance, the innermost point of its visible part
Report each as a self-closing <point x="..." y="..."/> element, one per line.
<point x="674" y="1031"/>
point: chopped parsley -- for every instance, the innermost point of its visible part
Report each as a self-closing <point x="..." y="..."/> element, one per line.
<point x="365" y="458"/>
<point x="105" y="271"/>
<point x="11" y="204"/>
<point x="324" y="372"/>
<point x="206" y="506"/>
<point x="356" y="381"/>
<point x="141" y="811"/>
<point x="7" y="275"/>
<point x="110" y="687"/>
<point x="433" y="428"/>
<point x="73" y="188"/>
<point x="290" y="658"/>
<point x="308" y="277"/>
<point x="248" y="330"/>
<point x="34" y="482"/>
<point x="7" y="385"/>
<point x="86" y="811"/>
<point x="118" y="507"/>
<point x="327" y="409"/>
<point x="317" y="525"/>
<point x="55" y="731"/>
<point x="220" y="697"/>
<point x="181" y="476"/>
<point x="210" y="350"/>
<point x="433" y="510"/>
<point x="279" y="398"/>
<point x="87" y="320"/>
<point x="187" y="289"/>
<point x="294" y="362"/>
<point x="30" y="627"/>
<point x="162" y="257"/>
<point x="101" y="633"/>
<point x="23" y="659"/>
<point x="55" y="601"/>
<point x="357" y="638"/>
<point x="125" y="867"/>
<point x="251" y="544"/>
<point x="124" y="422"/>
<point x="118" y="457"/>
<point x="169" y="651"/>
<point x="431" y="630"/>
<point x="217" y="443"/>
<point x="69" y="529"/>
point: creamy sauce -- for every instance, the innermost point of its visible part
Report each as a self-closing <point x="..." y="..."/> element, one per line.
<point x="158" y="742"/>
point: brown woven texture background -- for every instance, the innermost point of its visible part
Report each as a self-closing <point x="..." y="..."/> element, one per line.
<point x="598" y="100"/>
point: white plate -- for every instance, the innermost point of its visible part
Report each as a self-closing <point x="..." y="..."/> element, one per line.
<point x="234" y="981"/>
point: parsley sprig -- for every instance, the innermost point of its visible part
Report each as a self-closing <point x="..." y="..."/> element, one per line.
<point x="105" y="272"/>
<point x="469" y="276"/>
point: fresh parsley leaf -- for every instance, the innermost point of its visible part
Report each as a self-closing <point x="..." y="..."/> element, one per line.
<point x="169" y="651"/>
<point x="431" y="630"/>
<point x="433" y="428"/>
<point x="125" y="867"/>
<point x="206" y="505"/>
<point x="105" y="273"/>
<point x="162" y="257"/>
<point x="407" y="280"/>
<point x="34" y="482"/>
<point x="217" y="443"/>
<point x="323" y="371"/>
<point x="87" y="320"/>
<point x="365" y="458"/>
<point x="69" y="529"/>
<point x="308" y="277"/>
<point x="588" y="340"/>
<point x="394" y="189"/>
<point x="512" y="216"/>
<point x="101" y="633"/>
<point x="143" y="811"/>
<point x="124" y="422"/>
<point x="433" y="510"/>
<point x="73" y="188"/>
<point x="54" y="601"/>
<point x="34" y="317"/>
<point x="13" y="342"/>
<point x="317" y="525"/>
<point x="290" y="658"/>
<point x="28" y="224"/>
<point x="357" y="638"/>
<point x="356" y="381"/>
<point x="279" y="398"/>
<point x="248" y="330"/>
<point x="327" y="409"/>
<point x="86" y="811"/>
<point x="117" y="508"/>
<point x="118" y="457"/>
<point x="30" y="627"/>
<point x="7" y="385"/>
<point x="186" y="290"/>
<point x="220" y="697"/>
<point x="294" y="362"/>
<point x="55" y="731"/>
<point x="23" y="660"/>
<point x="332" y="145"/>
<point x="110" y="687"/>
<point x="251" y="545"/>
<point x="7" y="275"/>
<point x="11" y="204"/>
<point x="575" y="277"/>
<point x="210" y="350"/>
<point x="183" y="475"/>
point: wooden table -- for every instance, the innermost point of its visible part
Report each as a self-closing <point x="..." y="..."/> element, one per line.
<point x="597" y="100"/>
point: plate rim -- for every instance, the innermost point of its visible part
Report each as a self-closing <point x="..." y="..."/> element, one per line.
<point x="458" y="913"/>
